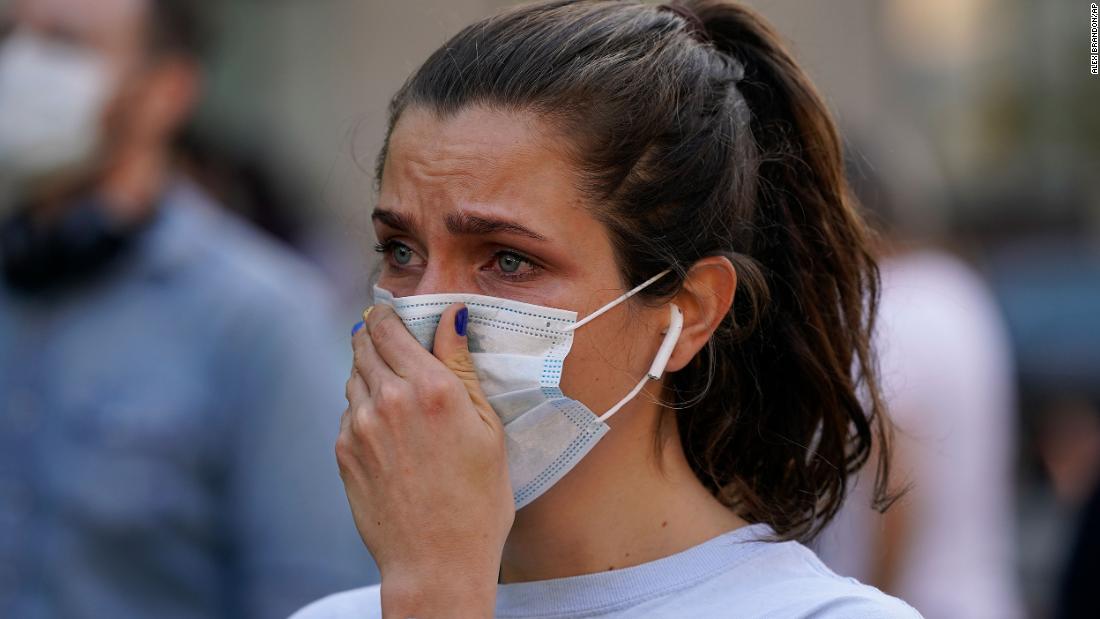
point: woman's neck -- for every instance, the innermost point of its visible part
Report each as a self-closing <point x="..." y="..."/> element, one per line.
<point x="621" y="506"/>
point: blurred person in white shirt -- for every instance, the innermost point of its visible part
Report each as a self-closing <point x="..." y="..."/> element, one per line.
<point x="948" y="376"/>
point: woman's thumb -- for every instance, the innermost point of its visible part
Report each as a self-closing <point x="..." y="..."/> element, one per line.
<point x="452" y="348"/>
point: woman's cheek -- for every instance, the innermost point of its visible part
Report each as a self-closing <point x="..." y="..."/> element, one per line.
<point x="601" y="367"/>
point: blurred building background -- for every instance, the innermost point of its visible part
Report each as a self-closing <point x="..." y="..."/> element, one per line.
<point x="980" y="118"/>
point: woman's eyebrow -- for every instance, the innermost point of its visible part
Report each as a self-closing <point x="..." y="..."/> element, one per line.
<point x="393" y="219"/>
<point x="465" y="223"/>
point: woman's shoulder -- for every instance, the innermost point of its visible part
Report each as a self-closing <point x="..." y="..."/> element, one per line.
<point x="788" y="579"/>
<point x="363" y="603"/>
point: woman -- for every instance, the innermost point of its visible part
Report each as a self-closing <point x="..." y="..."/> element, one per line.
<point x="669" y="176"/>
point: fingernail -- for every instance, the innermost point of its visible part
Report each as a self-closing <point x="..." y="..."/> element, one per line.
<point x="356" y="327"/>
<point x="460" y="321"/>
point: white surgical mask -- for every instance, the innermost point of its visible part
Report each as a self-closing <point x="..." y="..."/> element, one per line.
<point x="518" y="350"/>
<point x="52" y="97"/>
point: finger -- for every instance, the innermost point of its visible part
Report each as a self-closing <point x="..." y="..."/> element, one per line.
<point x="395" y="345"/>
<point x="370" y="367"/>
<point x="451" y="346"/>
<point x="359" y="421"/>
<point x="356" y="393"/>
<point x="356" y="390"/>
<point x="345" y="418"/>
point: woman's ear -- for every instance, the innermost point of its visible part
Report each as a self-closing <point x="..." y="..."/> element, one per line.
<point x="705" y="299"/>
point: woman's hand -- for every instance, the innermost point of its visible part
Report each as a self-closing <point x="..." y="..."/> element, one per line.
<point x="423" y="461"/>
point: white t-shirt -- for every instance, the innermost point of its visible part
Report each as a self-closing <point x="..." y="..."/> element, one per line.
<point x="733" y="575"/>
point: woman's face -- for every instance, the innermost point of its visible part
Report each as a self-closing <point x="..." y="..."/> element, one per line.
<point x="485" y="202"/>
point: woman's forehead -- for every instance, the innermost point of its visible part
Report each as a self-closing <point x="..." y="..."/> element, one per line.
<point x="478" y="154"/>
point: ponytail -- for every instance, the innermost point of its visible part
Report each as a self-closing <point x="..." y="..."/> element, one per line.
<point x="805" y="375"/>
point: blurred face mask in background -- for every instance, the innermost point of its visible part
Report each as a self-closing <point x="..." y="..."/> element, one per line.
<point x="518" y="350"/>
<point x="52" y="98"/>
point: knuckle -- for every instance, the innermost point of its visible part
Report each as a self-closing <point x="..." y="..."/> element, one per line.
<point x="349" y="449"/>
<point x="461" y="364"/>
<point x="358" y="425"/>
<point x="435" y="391"/>
<point x="345" y="453"/>
<point x="385" y="328"/>
<point x="389" y="397"/>
<point x="349" y="389"/>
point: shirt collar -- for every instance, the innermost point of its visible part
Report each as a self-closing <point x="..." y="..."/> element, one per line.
<point x="619" y="589"/>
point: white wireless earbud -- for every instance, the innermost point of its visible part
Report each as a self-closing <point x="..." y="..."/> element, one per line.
<point x="675" y="326"/>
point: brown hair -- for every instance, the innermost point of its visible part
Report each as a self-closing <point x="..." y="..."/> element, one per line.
<point x="698" y="143"/>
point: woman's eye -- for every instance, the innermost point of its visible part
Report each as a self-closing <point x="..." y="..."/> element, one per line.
<point x="402" y="254"/>
<point x="513" y="266"/>
<point x="397" y="252"/>
<point x="509" y="263"/>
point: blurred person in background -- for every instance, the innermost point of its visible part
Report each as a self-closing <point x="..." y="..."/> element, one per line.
<point x="170" y="386"/>
<point x="946" y="366"/>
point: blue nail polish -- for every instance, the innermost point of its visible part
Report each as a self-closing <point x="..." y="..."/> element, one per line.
<point x="356" y="327"/>
<point x="460" y="321"/>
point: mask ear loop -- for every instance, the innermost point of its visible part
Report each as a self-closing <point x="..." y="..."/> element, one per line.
<point x="623" y="297"/>
<point x="657" y="368"/>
